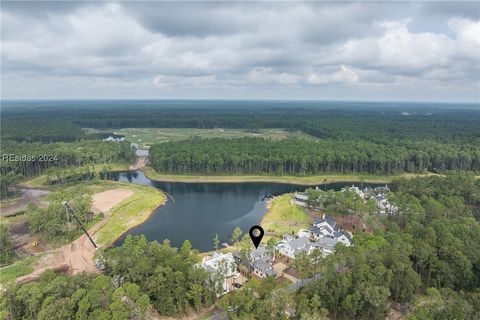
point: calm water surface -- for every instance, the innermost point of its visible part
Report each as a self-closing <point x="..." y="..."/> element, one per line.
<point x="196" y="211"/>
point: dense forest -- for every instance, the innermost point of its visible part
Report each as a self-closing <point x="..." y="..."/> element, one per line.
<point x="22" y="160"/>
<point x="353" y="137"/>
<point x="300" y="157"/>
<point x="377" y="122"/>
<point x="423" y="260"/>
<point x="137" y="274"/>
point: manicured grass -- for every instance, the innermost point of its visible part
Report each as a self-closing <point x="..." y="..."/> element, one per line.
<point x="41" y="180"/>
<point x="130" y="212"/>
<point x="149" y="136"/>
<point x="284" y="217"/>
<point x="308" y="180"/>
<point x="18" y="269"/>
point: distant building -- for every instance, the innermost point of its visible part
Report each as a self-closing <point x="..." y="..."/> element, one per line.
<point x="299" y="199"/>
<point x="356" y="190"/>
<point x="114" y="138"/>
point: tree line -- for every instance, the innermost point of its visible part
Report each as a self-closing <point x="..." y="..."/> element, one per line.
<point x="82" y="296"/>
<point x="51" y="122"/>
<point x="21" y="160"/>
<point x="424" y="260"/>
<point x="302" y="157"/>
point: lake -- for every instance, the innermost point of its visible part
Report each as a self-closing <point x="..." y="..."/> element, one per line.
<point x="196" y="211"/>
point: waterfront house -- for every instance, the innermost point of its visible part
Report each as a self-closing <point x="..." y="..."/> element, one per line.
<point x="299" y="199"/>
<point x="221" y="264"/>
<point x="356" y="190"/>
<point x="258" y="253"/>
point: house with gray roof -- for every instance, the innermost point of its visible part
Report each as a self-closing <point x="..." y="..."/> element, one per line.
<point x="291" y="248"/>
<point x="324" y="227"/>
<point x="327" y="227"/>
<point x="263" y="268"/>
<point x="258" y="253"/>
<point x="326" y="245"/>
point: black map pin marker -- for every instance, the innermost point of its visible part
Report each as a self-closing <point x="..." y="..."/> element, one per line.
<point x="256" y="234"/>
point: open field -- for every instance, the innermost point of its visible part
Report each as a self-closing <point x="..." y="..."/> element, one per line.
<point x="284" y="217"/>
<point x="149" y="136"/>
<point x="308" y="180"/>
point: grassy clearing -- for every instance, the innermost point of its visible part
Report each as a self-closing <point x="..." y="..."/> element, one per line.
<point x="149" y="136"/>
<point x="8" y="202"/>
<point x="41" y="180"/>
<point x="18" y="269"/>
<point x="310" y="180"/>
<point x="130" y="212"/>
<point x="284" y="217"/>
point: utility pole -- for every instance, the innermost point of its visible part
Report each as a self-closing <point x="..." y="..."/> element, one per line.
<point x="69" y="210"/>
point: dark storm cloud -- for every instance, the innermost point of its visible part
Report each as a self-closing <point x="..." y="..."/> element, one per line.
<point x="192" y="18"/>
<point x="466" y="9"/>
<point x="41" y="8"/>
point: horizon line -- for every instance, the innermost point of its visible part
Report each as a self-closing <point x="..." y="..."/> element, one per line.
<point x="233" y="100"/>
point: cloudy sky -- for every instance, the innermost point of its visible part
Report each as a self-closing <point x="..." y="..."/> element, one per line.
<point x="423" y="51"/>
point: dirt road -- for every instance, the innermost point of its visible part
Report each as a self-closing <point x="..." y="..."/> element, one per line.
<point x="78" y="256"/>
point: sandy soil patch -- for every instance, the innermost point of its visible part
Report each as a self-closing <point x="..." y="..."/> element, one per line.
<point x="104" y="201"/>
<point x="77" y="256"/>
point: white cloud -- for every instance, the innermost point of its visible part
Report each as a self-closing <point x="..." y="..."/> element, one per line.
<point x="305" y="47"/>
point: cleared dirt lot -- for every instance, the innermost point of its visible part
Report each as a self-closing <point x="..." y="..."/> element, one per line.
<point x="104" y="201"/>
<point x="78" y="256"/>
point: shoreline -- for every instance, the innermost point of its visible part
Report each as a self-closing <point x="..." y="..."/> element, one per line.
<point x="151" y="174"/>
<point x="110" y="245"/>
<point x="140" y="218"/>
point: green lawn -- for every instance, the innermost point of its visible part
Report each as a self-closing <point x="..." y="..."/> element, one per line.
<point x="18" y="269"/>
<point x="130" y="212"/>
<point x="149" y="136"/>
<point x="284" y="217"/>
<point x="308" y="180"/>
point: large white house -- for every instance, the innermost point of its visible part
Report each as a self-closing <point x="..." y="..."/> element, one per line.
<point x="223" y="264"/>
<point x="327" y="227"/>
<point x="290" y="246"/>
